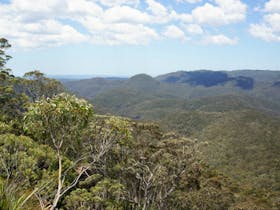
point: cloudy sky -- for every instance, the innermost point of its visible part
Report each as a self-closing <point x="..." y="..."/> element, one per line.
<point x="126" y="37"/>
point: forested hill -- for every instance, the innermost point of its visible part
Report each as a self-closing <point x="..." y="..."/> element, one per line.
<point x="262" y="85"/>
<point x="56" y="153"/>
<point x="236" y="113"/>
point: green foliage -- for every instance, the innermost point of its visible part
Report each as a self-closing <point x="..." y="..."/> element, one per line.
<point x="23" y="160"/>
<point x="11" y="102"/>
<point x="24" y="165"/>
<point x="115" y="128"/>
<point x="240" y="128"/>
<point x="126" y="97"/>
<point x="57" y="120"/>
<point x="80" y="199"/>
<point x="149" y="170"/>
<point x="106" y="194"/>
<point x="250" y="145"/>
<point x="4" y="44"/>
<point x="36" y="86"/>
<point x="4" y="128"/>
<point x="10" y="199"/>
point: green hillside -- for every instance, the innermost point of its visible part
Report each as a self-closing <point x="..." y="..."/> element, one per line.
<point x="239" y="126"/>
<point x="258" y="85"/>
<point x="60" y="155"/>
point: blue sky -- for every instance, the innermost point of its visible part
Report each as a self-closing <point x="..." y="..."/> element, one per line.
<point x="126" y="37"/>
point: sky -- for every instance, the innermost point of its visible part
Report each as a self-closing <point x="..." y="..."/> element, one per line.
<point x="127" y="37"/>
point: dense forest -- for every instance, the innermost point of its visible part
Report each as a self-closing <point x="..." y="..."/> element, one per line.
<point x="58" y="151"/>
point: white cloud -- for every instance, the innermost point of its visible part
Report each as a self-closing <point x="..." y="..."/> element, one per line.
<point x="159" y="13"/>
<point x="174" y="32"/>
<point x="190" y="1"/>
<point x="38" y="24"/>
<point x="43" y="23"/>
<point x="82" y="7"/>
<point x="269" y="28"/>
<point x="219" y="39"/>
<point x="273" y="20"/>
<point x="125" y="14"/>
<point x="194" y="29"/>
<point x="185" y="18"/>
<point x="264" y="32"/>
<point x="131" y="33"/>
<point x="272" y="6"/>
<point x="111" y="3"/>
<point x="209" y="14"/>
<point x="36" y="6"/>
<point x="156" y="8"/>
<point x="116" y="33"/>
<point x="226" y="12"/>
<point x="41" y="34"/>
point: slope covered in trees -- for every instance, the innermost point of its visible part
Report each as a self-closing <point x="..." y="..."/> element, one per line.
<point x="109" y="162"/>
<point x="189" y="84"/>
<point x="239" y="125"/>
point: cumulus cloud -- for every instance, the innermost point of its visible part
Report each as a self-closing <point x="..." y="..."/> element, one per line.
<point x="77" y="8"/>
<point x="194" y="29"/>
<point x="272" y="6"/>
<point x="274" y="21"/>
<point x="29" y="35"/>
<point x="124" y="33"/>
<point x="27" y="28"/>
<point x="264" y="32"/>
<point x="269" y="28"/>
<point x="111" y="3"/>
<point x="190" y="1"/>
<point x="126" y="14"/>
<point x="223" y="13"/>
<point x="159" y="13"/>
<point x="43" y="23"/>
<point x="156" y="8"/>
<point x="220" y="39"/>
<point x="174" y="32"/>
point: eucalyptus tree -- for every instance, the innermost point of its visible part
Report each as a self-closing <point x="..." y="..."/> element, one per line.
<point x="11" y="102"/>
<point x="66" y="124"/>
<point x="58" y="122"/>
<point x="4" y="45"/>
<point x="36" y="85"/>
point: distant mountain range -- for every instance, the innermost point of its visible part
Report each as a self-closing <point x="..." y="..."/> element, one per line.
<point x="207" y="79"/>
<point x="81" y="77"/>
<point x="261" y="85"/>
